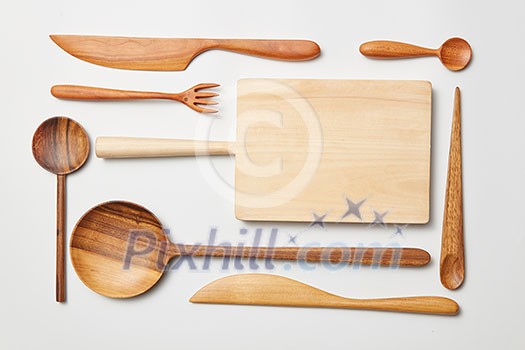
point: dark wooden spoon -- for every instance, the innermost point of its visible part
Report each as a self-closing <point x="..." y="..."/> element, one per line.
<point x="61" y="146"/>
<point x="120" y="250"/>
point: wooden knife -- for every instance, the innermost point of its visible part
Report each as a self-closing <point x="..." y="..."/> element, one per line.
<point x="163" y="54"/>
<point x="272" y="290"/>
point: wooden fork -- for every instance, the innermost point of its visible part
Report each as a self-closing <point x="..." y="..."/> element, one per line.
<point x="192" y="97"/>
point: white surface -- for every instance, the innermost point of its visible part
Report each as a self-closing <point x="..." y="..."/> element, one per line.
<point x="179" y="190"/>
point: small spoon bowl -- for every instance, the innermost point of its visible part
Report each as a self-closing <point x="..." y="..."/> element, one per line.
<point x="455" y="54"/>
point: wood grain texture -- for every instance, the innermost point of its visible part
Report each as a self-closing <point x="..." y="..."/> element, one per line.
<point x="272" y="290"/>
<point x="393" y="49"/>
<point x="60" y="278"/>
<point x="455" y="53"/>
<point x="61" y="146"/>
<point x="119" y="250"/>
<point x="307" y="146"/>
<point x="163" y="54"/>
<point x="193" y="97"/>
<point x="452" y="262"/>
<point x="362" y="256"/>
<point x="134" y="147"/>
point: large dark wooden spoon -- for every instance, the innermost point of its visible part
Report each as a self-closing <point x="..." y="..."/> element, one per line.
<point x="120" y="250"/>
<point x="61" y="146"/>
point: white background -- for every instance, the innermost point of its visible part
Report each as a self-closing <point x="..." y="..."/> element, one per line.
<point x="181" y="191"/>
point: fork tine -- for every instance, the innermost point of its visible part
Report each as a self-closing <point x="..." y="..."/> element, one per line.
<point x="205" y="102"/>
<point x="205" y="86"/>
<point x="198" y="108"/>
<point x="207" y="110"/>
<point x="205" y="95"/>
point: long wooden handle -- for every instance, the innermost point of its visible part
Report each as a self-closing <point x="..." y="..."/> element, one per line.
<point x="287" y="50"/>
<point x="130" y="147"/>
<point x="61" y="239"/>
<point x="363" y="256"/>
<point x="78" y="92"/>
<point x="394" y="49"/>
<point x="452" y="262"/>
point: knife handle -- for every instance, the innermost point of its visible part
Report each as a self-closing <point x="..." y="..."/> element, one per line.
<point x="134" y="147"/>
<point x="393" y="49"/>
<point x="286" y="50"/>
<point x="363" y="256"/>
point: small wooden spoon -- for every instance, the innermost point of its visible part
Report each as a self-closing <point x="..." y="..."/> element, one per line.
<point x="452" y="263"/>
<point x="455" y="53"/>
<point x="61" y="146"/>
<point x="119" y="250"/>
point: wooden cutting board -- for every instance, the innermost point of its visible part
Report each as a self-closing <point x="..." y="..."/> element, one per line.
<point x="333" y="151"/>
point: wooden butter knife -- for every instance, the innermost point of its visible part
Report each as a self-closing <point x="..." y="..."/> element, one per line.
<point x="164" y="54"/>
<point x="273" y="290"/>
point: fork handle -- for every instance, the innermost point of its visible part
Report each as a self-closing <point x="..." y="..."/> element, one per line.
<point x="134" y="147"/>
<point x="78" y="92"/>
<point x="286" y="50"/>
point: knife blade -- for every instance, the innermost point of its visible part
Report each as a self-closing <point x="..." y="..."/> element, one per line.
<point x="165" y="54"/>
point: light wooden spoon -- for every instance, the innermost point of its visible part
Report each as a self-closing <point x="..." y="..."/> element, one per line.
<point x="452" y="264"/>
<point x="272" y="290"/>
<point x="455" y="53"/>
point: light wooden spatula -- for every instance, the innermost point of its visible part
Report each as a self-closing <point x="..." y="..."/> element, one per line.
<point x="272" y="290"/>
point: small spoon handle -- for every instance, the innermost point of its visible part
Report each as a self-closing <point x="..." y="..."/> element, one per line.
<point x="452" y="264"/>
<point x="363" y="256"/>
<point x="61" y="238"/>
<point x="394" y="49"/>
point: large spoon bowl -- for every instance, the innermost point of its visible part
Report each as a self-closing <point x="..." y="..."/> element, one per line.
<point x="115" y="249"/>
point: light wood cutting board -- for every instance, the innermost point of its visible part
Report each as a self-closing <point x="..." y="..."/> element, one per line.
<point x="319" y="150"/>
<point x="306" y="146"/>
